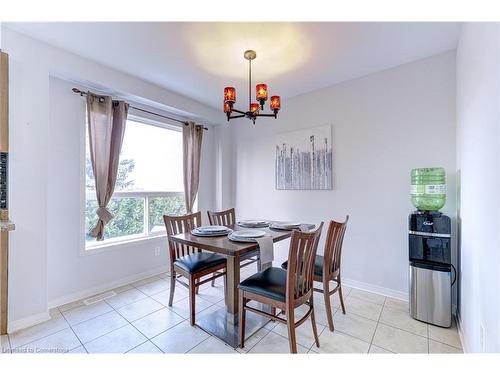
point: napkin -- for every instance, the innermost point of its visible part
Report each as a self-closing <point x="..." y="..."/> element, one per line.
<point x="266" y="247"/>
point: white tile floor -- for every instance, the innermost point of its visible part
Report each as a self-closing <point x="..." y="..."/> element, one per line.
<point x="138" y="320"/>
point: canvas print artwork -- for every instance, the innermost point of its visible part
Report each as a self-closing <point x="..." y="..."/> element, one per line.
<point x="304" y="159"/>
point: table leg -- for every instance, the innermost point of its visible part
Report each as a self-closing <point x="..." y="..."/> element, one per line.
<point x="223" y="322"/>
<point x="233" y="280"/>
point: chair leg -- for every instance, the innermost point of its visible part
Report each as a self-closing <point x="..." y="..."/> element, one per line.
<point x="242" y="317"/>
<point x="225" y="288"/>
<point x="192" y="299"/>
<point x="197" y="289"/>
<point x="290" y="322"/>
<point x="328" y="304"/>
<point x="313" y="322"/>
<point x="273" y="312"/>
<point x="341" y="296"/>
<point x="172" y="288"/>
<point x="213" y="280"/>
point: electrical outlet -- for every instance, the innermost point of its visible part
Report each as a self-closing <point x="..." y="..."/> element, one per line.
<point x="482" y="338"/>
<point x="157" y="251"/>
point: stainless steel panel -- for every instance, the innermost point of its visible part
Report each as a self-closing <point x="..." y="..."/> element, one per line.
<point x="430" y="296"/>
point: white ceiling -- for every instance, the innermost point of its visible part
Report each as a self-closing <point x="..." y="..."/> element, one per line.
<point x="200" y="59"/>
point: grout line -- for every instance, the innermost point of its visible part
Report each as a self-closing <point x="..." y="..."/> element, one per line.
<point x="376" y="327"/>
<point x="148" y="340"/>
<point x="402" y="329"/>
<point x="39" y="338"/>
<point x="156" y="346"/>
<point x="247" y="350"/>
<point x="74" y="333"/>
<point x="201" y="342"/>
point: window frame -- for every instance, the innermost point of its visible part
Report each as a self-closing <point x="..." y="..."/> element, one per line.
<point x="147" y="234"/>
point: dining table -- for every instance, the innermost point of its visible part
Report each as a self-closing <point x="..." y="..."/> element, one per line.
<point x="223" y="322"/>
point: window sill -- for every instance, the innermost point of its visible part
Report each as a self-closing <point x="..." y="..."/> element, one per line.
<point x="112" y="245"/>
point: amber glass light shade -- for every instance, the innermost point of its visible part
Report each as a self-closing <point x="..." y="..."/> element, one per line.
<point x="254" y="107"/>
<point x="227" y="108"/>
<point x="261" y="90"/>
<point x="229" y="95"/>
<point x="275" y="103"/>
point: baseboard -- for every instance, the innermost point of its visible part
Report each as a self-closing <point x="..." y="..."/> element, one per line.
<point x="104" y="287"/>
<point x="375" y="289"/>
<point x="16" y="325"/>
<point x="461" y="332"/>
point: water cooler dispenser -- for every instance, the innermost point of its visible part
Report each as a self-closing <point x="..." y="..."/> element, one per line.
<point x="429" y="234"/>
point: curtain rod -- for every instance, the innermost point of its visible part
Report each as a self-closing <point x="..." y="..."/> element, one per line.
<point x="82" y="93"/>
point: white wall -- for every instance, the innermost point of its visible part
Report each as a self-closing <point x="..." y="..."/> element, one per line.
<point x="44" y="176"/>
<point x="384" y="125"/>
<point x="478" y="143"/>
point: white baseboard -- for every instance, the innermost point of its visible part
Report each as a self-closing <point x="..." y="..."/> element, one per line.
<point x="104" y="287"/>
<point x="375" y="289"/>
<point x="16" y="325"/>
<point x="460" y="331"/>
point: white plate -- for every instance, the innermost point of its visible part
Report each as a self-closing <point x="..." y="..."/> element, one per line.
<point x="210" y="234"/>
<point x="240" y="239"/>
<point x="212" y="228"/>
<point x="286" y="224"/>
<point x="253" y="222"/>
<point x="248" y="233"/>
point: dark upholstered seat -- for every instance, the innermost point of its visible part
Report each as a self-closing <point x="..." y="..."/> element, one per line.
<point x="318" y="265"/>
<point x="270" y="283"/>
<point x="196" y="262"/>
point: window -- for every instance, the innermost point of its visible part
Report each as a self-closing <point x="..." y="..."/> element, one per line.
<point x="149" y="184"/>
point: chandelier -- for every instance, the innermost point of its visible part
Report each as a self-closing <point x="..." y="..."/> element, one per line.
<point x="261" y="97"/>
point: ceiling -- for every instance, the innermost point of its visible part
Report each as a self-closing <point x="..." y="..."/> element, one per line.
<point x="199" y="59"/>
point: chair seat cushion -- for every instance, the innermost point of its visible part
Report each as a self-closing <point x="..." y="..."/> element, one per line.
<point x="318" y="265"/>
<point x="198" y="262"/>
<point x="269" y="283"/>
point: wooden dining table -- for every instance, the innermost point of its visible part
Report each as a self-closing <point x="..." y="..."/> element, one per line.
<point x="223" y="322"/>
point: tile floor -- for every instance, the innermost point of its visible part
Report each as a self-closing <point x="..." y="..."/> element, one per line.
<point x="138" y="320"/>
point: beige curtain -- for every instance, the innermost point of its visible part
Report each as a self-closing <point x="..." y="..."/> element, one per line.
<point x="107" y="120"/>
<point x="192" y="135"/>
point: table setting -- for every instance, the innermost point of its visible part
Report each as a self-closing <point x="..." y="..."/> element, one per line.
<point x="211" y="231"/>
<point x="253" y="223"/>
<point x="285" y="225"/>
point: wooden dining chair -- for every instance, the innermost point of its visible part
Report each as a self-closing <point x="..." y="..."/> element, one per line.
<point x="190" y="262"/>
<point x="284" y="290"/>
<point x="327" y="267"/>
<point x="228" y="218"/>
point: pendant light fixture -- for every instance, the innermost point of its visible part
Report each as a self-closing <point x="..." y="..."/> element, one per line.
<point x="261" y="96"/>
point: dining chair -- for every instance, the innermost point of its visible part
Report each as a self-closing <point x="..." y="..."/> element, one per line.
<point x="190" y="262"/>
<point x="228" y="218"/>
<point x="284" y="289"/>
<point x="327" y="267"/>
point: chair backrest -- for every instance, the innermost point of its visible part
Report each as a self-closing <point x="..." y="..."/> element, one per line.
<point x="227" y="217"/>
<point x="181" y="224"/>
<point x="333" y="246"/>
<point x="301" y="256"/>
